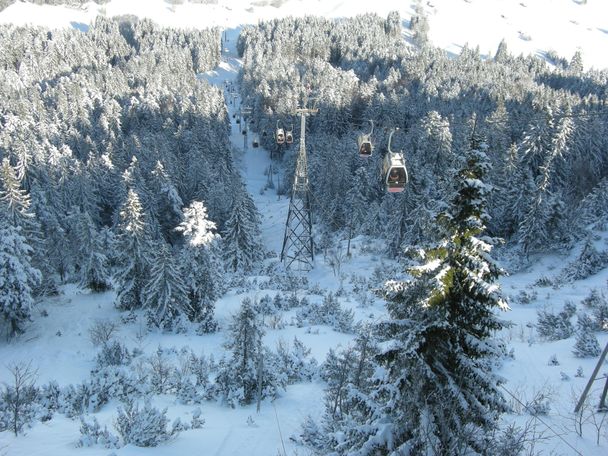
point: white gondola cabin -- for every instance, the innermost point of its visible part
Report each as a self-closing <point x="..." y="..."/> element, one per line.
<point x="365" y="143"/>
<point x="280" y="135"/>
<point x="289" y="136"/>
<point x="394" y="170"/>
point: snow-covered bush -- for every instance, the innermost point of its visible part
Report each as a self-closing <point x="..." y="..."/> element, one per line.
<point x="555" y="326"/>
<point x="48" y="399"/>
<point x="92" y="434"/>
<point x="540" y="404"/>
<point x="329" y="312"/>
<point x="101" y="332"/>
<point x="197" y="421"/>
<point x="113" y="354"/>
<point x="586" y="344"/>
<point x="160" y="372"/>
<point x="598" y="304"/>
<point x="143" y="427"/>
<point x="311" y="435"/>
<point x="294" y="363"/>
<point x="589" y="262"/>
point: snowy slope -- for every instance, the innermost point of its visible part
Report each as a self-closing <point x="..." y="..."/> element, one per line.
<point x="527" y="26"/>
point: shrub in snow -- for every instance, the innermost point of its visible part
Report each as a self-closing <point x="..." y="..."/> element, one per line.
<point x="199" y="366"/>
<point x="183" y="383"/>
<point x="555" y="326"/>
<point x="579" y="372"/>
<point x="543" y="281"/>
<point x="293" y="363"/>
<point x="48" y="398"/>
<point x="539" y="405"/>
<point x="553" y="361"/>
<point x="160" y="372"/>
<point x="265" y="306"/>
<point x="279" y="302"/>
<point x="92" y="434"/>
<point x="143" y="427"/>
<point x="525" y="297"/>
<point x="589" y="262"/>
<point x="197" y="421"/>
<point x="117" y="382"/>
<point x="586" y="345"/>
<point x="311" y="435"/>
<point x="598" y="304"/>
<point x="293" y="301"/>
<point x="329" y="312"/>
<point x="113" y="354"/>
<point x="101" y="332"/>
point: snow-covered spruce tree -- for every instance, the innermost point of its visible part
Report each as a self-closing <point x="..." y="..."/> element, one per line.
<point x="434" y="391"/>
<point x="133" y="252"/>
<point x="94" y="273"/>
<point x="586" y="344"/>
<point x="14" y="200"/>
<point x="241" y="238"/>
<point x="17" y="276"/>
<point x="201" y="267"/>
<point x="164" y="294"/>
<point x="247" y="374"/>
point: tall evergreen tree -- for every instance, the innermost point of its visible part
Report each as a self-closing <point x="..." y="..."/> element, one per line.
<point x="17" y="276"/>
<point x="133" y="257"/>
<point x="200" y="265"/>
<point x="435" y="393"/>
<point x="241" y="235"/>
<point x="247" y="376"/>
<point x="164" y="295"/>
<point x="93" y="261"/>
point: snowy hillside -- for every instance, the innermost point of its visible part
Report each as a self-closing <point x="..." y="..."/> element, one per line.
<point x="119" y="156"/>
<point x="529" y="27"/>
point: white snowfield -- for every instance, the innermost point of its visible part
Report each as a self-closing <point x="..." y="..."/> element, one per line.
<point x="527" y="26"/>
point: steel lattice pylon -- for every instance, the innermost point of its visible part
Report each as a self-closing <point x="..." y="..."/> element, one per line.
<point x="297" y="251"/>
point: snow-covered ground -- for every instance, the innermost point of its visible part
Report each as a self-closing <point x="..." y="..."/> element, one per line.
<point x="527" y="26"/>
<point x="57" y="342"/>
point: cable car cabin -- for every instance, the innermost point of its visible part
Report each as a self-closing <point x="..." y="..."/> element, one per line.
<point x="289" y="135"/>
<point x="280" y="136"/>
<point x="395" y="172"/>
<point x="365" y="146"/>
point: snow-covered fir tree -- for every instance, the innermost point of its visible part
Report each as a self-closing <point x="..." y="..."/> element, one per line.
<point x="133" y="254"/>
<point x="17" y="276"/>
<point x="94" y="271"/>
<point x="434" y="392"/>
<point x="164" y="295"/>
<point x="202" y="269"/>
<point x="247" y="375"/>
<point x="242" y="247"/>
